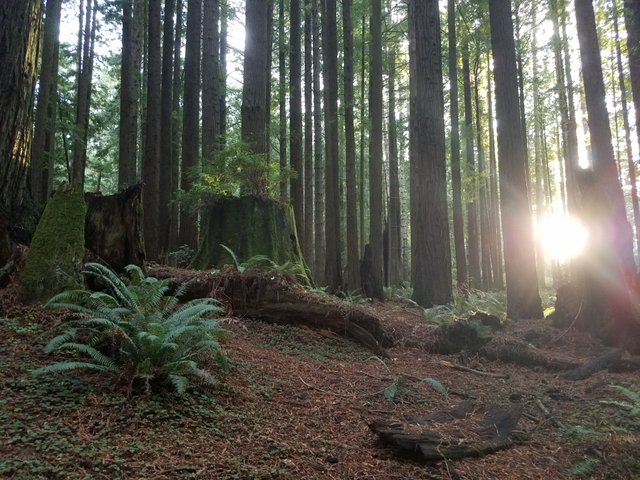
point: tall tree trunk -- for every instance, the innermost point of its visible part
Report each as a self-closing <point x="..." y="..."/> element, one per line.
<point x="282" y="100"/>
<point x="333" y="268"/>
<point x="318" y="187"/>
<point x="632" y="24"/>
<point x="151" y="159"/>
<point x="456" y="181"/>
<point x="295" y="110"/>
<point x="165" y="177"/>
<point x="631" y="166"/>
<point x="210" y="79"/>
<point x="352" y="280"/>
<point x="190" y="119"/>
<point x="569" y="137"/>
<point x="431" y="252"/>
<point x="496" y="224"/>
<point x="224" y="30"/>
<point x="83" y="104"/>
<point x="607" y="293"/>
<point x="253" y="111"/>
<point x="394" y="224"/>
<point x="361" y="195"/>
<point x="129" y="97"/>
<point x="537" y="142"/>
<point x="175" y="127"/>
<point x="19" y="37"/>
<point x="375" y="152"/>
<point x="43" y="153"/>
<point x="485" y="230"/>
<point x="523" y="299"/>
<point x="309" y="240"/>
<point x="473" y="247"/>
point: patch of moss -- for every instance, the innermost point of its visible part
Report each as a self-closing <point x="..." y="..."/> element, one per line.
<point x="55" y="256"/>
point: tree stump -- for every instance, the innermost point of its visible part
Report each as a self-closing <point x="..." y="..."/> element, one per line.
<point x="55" y="258"/>
<point x="113" y="228"/>
<point x="249" y="226"/>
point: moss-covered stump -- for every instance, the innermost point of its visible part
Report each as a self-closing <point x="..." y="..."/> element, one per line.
<point x="277" y="299"/>
<point x="249" y="226"/>
<point x="113" y="228"/>
<point x="55" y="258"/>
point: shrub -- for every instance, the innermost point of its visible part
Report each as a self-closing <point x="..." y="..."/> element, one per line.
<point x="137" y="333"/>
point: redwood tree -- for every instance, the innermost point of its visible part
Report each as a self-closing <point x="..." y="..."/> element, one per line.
<point x="523" y="299"/>
<point x="431" y="253"/>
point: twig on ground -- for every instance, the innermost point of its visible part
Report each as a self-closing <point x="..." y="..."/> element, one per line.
<point x="462" y="368"/>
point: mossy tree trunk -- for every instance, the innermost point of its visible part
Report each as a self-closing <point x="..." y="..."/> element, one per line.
<point x="249" y="226"/>
<point x="55" y="258"/>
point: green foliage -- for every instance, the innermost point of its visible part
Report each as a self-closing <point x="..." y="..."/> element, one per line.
<point x="400" y="379"/>
<point x="630" y="407"/>
<point x="574" y="432"/>
<point x="232" y="172"/>
<point x="353" y="297"/>
<point x="137" y="332"/>
<point x="466" y="304"/>
<point x="402" y="293"/>
<point x="55" y="257"/>
<point x="296" y="270"/>
<point x="182" y="256"/>
<point x="584" y="467"/>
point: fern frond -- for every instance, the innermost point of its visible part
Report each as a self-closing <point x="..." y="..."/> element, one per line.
<point x="55" y="342"/>
<point x="179" y="383"/>
<point x="67" y="366"/>
<point x="94" y="354"/>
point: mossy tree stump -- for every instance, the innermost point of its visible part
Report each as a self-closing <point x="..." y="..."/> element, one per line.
<point x="249" y="226"/>
<point x="55" y="257"/>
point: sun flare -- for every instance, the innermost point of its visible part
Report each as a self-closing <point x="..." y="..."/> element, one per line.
<point x="562" y="237"/>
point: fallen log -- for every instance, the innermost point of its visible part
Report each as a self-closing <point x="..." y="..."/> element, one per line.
<point x="599" y="363"/>
<point x="468" y="430"/>
<point x="262" y="295"/>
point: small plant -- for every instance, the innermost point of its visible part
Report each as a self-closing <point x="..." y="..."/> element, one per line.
<point x="401" y="293"/>
<point x="353" y="297"/>
<point x="631" y="407"/>
<point x="466" y="304"/>
<point x="137" y="332"/>
<point x="399" y="379"/>
<point x="584" y="467"/>
<point x="182" y="256"/>
<point x="296" y="270"/>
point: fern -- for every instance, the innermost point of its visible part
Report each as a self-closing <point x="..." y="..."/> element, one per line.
<point x="239" y="266"/>
<point x="137" y="332"/>
<point x="632" y="406"/>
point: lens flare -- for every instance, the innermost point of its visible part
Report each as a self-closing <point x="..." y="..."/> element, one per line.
<point x="562" y="237"/>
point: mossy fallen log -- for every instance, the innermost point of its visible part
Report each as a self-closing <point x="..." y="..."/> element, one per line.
<point x="277" y="299"/>
<point x="54" y="260"/>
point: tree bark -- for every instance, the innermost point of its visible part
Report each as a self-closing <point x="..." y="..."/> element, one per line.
<point x="210" y="79"/>
<point x="318" y="187"/>
<point x="309" y="240"/>
<point x="282" y="100"/>
<point x="431" y="253"/>
<point x="394" y="224"/>
<point x="333" y="235"/>
<point x="19" y="36"/>
<point x="523" y="299"/>
<point x="43" y="153"/>
<point x="295" y="111"/>
<point x="352" y="280"/>
<point x="632" y="24"/>
<point x="151" y="159"/>
<point x="607" y="283"/>
<point x="253" y="111"/>
<point x="175" y="128"/>
<point x="190" y="119"/>
<point x="473" y="248"/>
<point x="456" y="181"/>
<point x="166" y="160"/>
<point x="375" y="152"/>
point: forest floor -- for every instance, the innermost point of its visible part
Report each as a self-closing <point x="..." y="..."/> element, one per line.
<point x="297" y="404"/>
